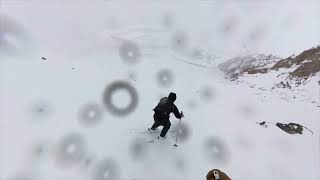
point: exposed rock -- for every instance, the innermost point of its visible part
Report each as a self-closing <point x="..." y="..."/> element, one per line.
<point x="290" y="128"/>
<point x="283" y="85"/>
<point x="308" y="64"/>
<point x="307" y="69"/>
<point x="284" y="63"/>
<point x="312" y="54"/>
<point x="256" y="71"/>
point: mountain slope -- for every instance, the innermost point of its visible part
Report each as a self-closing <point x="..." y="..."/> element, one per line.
<point x="250" y="64"/>
<point x="293" y="78"/>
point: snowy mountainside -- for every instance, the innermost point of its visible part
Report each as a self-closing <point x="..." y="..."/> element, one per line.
<point x="251" y="64"/>
<point x="292" y="79"/>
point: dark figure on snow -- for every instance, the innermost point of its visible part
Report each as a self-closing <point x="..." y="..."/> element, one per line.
<point x="162" y="113"/>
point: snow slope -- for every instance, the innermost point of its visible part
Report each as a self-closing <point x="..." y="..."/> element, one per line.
<point x="41" y="99"/>
<point x="291" y="79"/>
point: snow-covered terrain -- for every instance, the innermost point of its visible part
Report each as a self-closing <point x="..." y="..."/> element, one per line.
<point x="292" y="79"/>
<point x="59" y="57"/>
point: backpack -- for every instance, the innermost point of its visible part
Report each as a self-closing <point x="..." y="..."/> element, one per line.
<point x="164" y="107"/>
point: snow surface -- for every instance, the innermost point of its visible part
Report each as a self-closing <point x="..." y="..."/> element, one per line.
<point x="268" y="86"/>
<point x="81" y="40"/>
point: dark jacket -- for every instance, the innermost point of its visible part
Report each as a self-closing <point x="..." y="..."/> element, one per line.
<point x="164" y="108"/>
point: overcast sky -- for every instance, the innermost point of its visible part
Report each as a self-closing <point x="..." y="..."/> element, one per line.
<point x="229" y="28"/>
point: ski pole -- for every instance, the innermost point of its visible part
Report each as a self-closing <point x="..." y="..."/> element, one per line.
<point x="176" y="144"/>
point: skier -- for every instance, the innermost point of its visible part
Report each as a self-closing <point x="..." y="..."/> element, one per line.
<point x="162" y="114"/>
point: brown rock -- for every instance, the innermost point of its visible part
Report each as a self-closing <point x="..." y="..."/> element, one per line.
<point x="256" y="71"/>
<point x="311" y="54"/>
<point x="284" y="63"/>
<point x="307" y="69"/>
<point x="222" y="175"/>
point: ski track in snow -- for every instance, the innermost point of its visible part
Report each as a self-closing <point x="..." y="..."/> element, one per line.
<point x="81" y="63"/>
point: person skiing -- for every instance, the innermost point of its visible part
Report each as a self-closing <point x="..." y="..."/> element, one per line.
<point x="162" y="114"/>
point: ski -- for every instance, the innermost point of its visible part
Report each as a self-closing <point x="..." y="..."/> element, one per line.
<point x="175" y="145"/>
<point x="170" y="134"/>
<point x="148" y="131"/>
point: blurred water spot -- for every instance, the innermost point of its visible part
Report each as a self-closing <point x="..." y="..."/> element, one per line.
<point x="70" y="150"/>
<point x="138" y="149"/>
<point x="40" y="149"/>
<point x="246" y="111"/>
<point x="106" y="169"/>
<point x="228" y="25"/>
<point x="113" y="88"/>
<point x="183" y="131"/>
<point x="257" y="34"/>
<point x="216" y="150"/>
<point x="207" y="93"/>
<point x="88" y="162"/>
<point x="40" y="109"/>
<point x="14" y="39"/>
<point x="179" y="41"/>
<point x="191" y="104"/>
<point x="197" y="53"/>
<point x="165" y="78"/>
<point x="130" y="52"/>
<point x="180" y="164"/>
<point x="90" y="114"/>
<point x="168" y="20"/>
<point x="132" y="76"/>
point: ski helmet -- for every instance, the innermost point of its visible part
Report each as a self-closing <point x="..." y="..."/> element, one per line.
<point x="172" y="96"/>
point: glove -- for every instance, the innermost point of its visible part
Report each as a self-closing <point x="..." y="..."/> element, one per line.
<point x="182" y="115"/>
